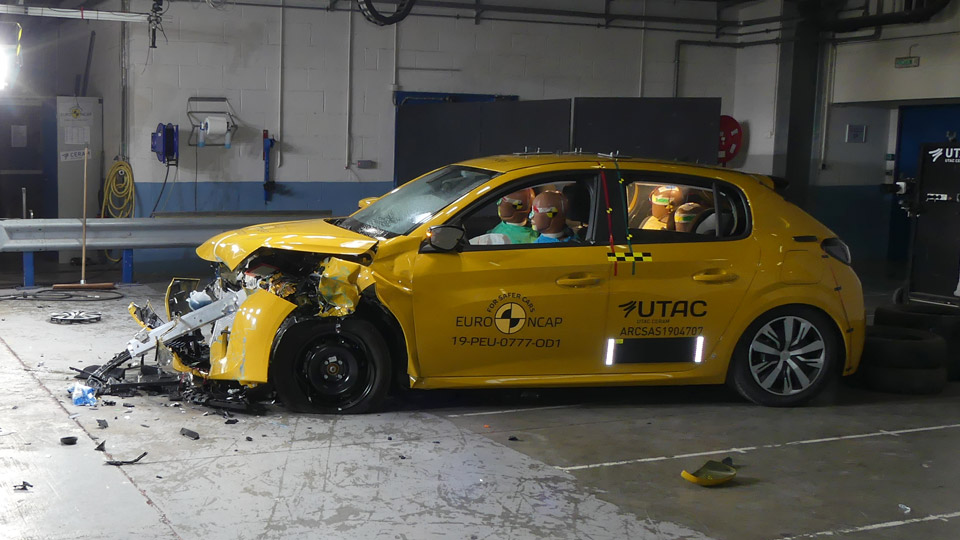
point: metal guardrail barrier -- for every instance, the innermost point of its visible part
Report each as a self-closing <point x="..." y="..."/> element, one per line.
<point x="177" y="231"/>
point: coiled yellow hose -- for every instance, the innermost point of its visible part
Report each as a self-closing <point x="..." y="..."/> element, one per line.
<point x="118" y="194"/>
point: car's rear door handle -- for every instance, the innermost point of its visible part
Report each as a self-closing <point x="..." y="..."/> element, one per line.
<point x="715" y="275"/>
<point x="579" y="280"/>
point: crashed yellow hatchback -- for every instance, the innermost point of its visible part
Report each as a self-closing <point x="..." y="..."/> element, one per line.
<point x="526" y="271"/>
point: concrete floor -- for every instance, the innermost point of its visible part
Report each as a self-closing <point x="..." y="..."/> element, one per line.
<point x="588" y="463"/>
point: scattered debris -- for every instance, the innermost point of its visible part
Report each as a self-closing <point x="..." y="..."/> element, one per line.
<point x="250" y="438"/>
<point x="74" y="415"/>
<point x="389" y="438"/>
<point x="513" y="438"/>
<point x="189" y="433"/>
<point x="82" y="394"/>
<point x="117" y="463"/>
<point x="102" y="447"/>
<point x="144" y="425"/>
<point x="22" y="486"/>
<point x="130" y="405"/>
<point x="436" y="442"/>
<point x="905" y="509"/>
<point x="68" y="440"/>
<point x="486" y="426"/>
<point x="75" y="317"/>
<point x="231" y="421"/>
<point x="109" y="403"/>
<point x="102" y="423"/>
<point x="158" y="476"/>
<point x="15" y="407"/>
<point x="712" y="473"/>
<point x="403" y="456"/>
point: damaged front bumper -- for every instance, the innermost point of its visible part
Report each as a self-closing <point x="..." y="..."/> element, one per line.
<point x="226" y="333"/>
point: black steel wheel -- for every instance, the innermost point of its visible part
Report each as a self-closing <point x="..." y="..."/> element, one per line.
<point x="331" y="367"/>
<point x="785" y="357"/>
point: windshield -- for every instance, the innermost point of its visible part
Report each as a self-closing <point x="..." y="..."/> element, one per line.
<point x="404" y="208"/>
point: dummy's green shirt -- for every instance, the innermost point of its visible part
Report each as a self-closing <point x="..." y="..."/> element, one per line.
<point x="518" y="234"/>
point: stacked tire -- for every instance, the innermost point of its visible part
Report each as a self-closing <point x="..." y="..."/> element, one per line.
<point x="912" y="349"/>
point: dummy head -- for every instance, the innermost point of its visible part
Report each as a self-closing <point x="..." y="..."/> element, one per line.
<point x="686" y="216"/>
<point x="664" y="200"/>
<point x="515" y="207"/>
<point x="549" y="213"/>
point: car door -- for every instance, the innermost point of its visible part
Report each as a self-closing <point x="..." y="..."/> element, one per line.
<point x="678" y="282"/>
<point x="520" y="309"/>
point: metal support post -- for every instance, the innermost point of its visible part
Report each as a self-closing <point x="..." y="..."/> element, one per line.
<point x="127" y="266"/>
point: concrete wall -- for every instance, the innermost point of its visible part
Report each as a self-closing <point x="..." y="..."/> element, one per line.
<point x="234" y="53"/>
<point x="866" y="72"/>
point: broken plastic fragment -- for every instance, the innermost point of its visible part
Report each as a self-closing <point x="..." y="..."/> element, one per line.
<point x="22" y="486"/>
<point x="68" y="440"/>
<point x="231" y="421"/>
<point x="127" y="462"/>
<point x="513" y="438"/>
<point x="102" y="447"/>
<point x="189" y="433"/>
<point x="102" y="423"/>
<point x="338" y="287"/>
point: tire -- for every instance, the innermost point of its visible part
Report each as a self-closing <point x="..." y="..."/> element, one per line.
<point x="941" y="320"/>
<point x="766" y="374"/>
<point x="905" y="380"/>
<point x="903" y="348"/>
<point x="322" y="366"/>
<point x="898" y="296"/>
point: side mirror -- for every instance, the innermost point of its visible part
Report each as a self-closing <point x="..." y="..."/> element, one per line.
<point x="445" y="238"/>
<point x="363" y="203"/>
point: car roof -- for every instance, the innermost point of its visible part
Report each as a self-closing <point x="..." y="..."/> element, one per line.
<point x="512" y="162"/>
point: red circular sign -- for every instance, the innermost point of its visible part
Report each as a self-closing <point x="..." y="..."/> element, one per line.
<point x="731" y="138"/>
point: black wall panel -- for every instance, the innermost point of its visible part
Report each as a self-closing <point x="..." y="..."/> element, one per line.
<point x="436" y="134"/>
<point x="682" y="129"/>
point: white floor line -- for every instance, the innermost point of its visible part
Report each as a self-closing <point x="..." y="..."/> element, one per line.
<point x="507" y="411"/>
<point x="741" y="450"/>
<point x="875" y="526"/>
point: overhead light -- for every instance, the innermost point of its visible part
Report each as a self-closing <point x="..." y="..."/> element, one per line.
<point x="63" y="13"/>
<point x="9" y="53"/>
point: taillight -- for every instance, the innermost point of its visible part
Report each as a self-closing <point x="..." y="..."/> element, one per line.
<point x="836" y="249"/>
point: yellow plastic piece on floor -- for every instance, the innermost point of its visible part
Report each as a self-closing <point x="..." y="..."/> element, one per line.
<point x="711" y="474"/>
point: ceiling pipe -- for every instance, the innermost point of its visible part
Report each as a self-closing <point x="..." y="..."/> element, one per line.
<point x="917" y="15"/>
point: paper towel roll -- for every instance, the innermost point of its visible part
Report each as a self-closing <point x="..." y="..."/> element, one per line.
<point x="215" y="126"/>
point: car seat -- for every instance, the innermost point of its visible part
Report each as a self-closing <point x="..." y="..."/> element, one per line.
<point x="578" y="208"/>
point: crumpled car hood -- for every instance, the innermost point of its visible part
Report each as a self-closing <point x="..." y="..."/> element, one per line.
<point x="314" y="235"/>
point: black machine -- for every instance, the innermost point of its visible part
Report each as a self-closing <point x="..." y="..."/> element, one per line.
<point x="934" y="203"/>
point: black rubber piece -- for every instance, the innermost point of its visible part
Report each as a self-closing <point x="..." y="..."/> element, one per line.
<point x="739" y="372"/>
<point x="941" y="320"/>
<point x="903" y="348"/>
<point x="904" y="380"/>
<point x="289" y="373"/>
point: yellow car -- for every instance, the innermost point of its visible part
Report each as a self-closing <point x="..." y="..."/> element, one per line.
<point x="533" y="271"/>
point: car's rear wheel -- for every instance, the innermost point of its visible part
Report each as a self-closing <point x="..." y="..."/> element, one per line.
<point x="331" y="367"/>
<point x="785" y="357"/>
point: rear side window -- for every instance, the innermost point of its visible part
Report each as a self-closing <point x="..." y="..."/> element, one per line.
<point x="662" y="210"/>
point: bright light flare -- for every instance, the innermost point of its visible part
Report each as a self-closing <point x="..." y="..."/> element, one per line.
<point x="698" y="357"/>
<point x="608" y="359"/>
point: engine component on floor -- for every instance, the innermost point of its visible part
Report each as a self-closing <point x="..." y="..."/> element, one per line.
<point x="75" y="317"/>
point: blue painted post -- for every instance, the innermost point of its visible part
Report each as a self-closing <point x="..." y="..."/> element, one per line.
<point x="28" y="280"/>
<point x="127" y="265"/>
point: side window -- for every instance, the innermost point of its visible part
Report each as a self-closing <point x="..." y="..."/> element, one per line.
<point x="660" y="211"/>
<point x="555" y="211"/>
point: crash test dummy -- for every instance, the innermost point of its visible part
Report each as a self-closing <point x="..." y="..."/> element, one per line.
<point x="664" y="201"/>
<point x="513" y="210"/>
<point x="549" y="218"/>
<point x="687" y="216"/>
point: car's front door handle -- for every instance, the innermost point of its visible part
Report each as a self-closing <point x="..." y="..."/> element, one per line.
<point x="715" y="275"/>
<point x="579" y="280"/>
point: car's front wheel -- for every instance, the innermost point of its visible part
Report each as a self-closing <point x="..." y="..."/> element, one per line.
<point x="325" y="366"/>
<point x="786" y="357"/>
